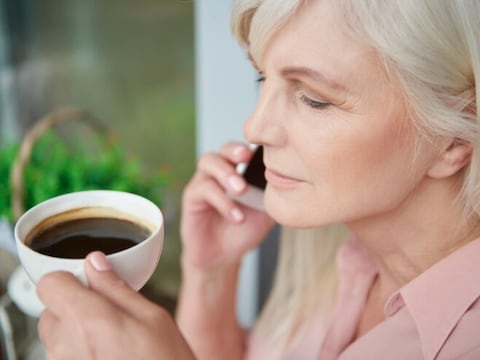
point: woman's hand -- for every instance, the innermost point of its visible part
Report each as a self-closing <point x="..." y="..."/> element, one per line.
<point x="216" y="230"/>
<point x="107" y="320"/>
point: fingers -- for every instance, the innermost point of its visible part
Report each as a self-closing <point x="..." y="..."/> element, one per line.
<point x="215" y="180"/>
<point x="64" y="295"/>
<point x="214" y="166"/>
<point x="205" y="194"/>
<point x="47" y="325"/>
<point x="221" y="166"/>
<point x="236" y="152"/>
<point x="50" y="332"/>
<point x="71" y="313"/>
<point x="107" y="320"/>
<point x="103" y="280"/>
<point x="60" y="292"/>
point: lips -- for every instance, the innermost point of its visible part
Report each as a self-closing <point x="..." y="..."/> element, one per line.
<point x="278" y="179"/>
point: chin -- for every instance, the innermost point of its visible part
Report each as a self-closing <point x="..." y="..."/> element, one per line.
<point x="287" y="212"/>
<point x="297" y="210"/>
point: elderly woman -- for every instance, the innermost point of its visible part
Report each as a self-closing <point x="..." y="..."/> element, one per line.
<point x="368" y="117"/>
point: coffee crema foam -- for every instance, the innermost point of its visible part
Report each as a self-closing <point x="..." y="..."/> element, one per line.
<point x="86" y="212"/>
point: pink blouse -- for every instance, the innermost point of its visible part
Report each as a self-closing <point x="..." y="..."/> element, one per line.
<point x="435" y="316"/>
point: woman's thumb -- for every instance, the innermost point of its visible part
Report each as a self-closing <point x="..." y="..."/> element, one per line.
<point x="103" y="280"/>
<point x="99" y="261"/>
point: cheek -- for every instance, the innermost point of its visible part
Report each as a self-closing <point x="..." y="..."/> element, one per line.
<point x="370" y="174"/>
<point x="354" y="176"/>
<point x="355" y="167"/>
<point x="361" y="157"/>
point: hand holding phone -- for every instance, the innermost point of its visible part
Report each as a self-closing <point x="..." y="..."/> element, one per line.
<point x="254" y="174"/>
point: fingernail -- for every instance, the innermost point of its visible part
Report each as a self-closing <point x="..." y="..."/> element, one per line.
<point x="237" y="215"/>
<point x="236" y="183"/>
<point x="99" y="261"/>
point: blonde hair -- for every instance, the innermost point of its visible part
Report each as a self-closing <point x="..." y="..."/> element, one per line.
<point x="432" y="50"/>
<point x="305" y="282"/>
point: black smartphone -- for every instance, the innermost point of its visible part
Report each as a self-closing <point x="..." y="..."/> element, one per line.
<point x="254" y="174"/>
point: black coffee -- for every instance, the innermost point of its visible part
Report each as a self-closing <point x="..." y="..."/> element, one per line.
<point x="75" y="239"/>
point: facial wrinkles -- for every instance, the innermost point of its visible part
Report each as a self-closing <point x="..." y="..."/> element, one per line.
<point x="295" y="50"/>
<point x="373" y="92"/>
<point x="292" y="46"/>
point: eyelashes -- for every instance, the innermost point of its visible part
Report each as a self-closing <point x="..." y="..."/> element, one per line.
<point x="318" y="105"/>
<point x="314" y="104"/>
<point x="260" y="78"/>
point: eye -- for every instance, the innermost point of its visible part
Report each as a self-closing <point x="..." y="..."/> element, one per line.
<point x="314" y="104"/>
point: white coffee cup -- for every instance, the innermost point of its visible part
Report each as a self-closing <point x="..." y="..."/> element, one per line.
<point x="134" y="265"/>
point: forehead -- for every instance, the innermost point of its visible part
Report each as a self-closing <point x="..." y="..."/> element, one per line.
<point x="316" y="37"/>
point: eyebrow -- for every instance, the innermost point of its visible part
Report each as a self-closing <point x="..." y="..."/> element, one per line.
<point x="302" y="71"/>
<point x="316" y="76"/>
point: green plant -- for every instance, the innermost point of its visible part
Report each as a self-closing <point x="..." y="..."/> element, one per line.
<point x="57" y="166"/>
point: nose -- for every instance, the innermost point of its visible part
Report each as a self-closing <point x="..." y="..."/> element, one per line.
<point x="265" y="125"/>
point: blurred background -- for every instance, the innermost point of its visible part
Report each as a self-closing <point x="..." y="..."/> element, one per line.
<point x="130" y="65"/>
<point x="165" y="80"/>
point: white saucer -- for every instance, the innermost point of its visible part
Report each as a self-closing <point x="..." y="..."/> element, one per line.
<point x="21" y="290"/>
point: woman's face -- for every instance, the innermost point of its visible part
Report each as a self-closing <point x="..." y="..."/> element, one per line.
<point x="338" y="143"/>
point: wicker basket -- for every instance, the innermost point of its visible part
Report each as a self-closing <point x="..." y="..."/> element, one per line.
<point x="50" y="121"/>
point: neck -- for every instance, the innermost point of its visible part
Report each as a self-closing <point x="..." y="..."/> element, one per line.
<point x="426" y="227"/>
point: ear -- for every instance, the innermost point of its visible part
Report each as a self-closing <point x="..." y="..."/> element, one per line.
<point x="451" y="160"/>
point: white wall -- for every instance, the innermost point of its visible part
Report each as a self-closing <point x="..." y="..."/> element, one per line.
<point x="225" y="81"/>
<point x="225" y="96"/>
